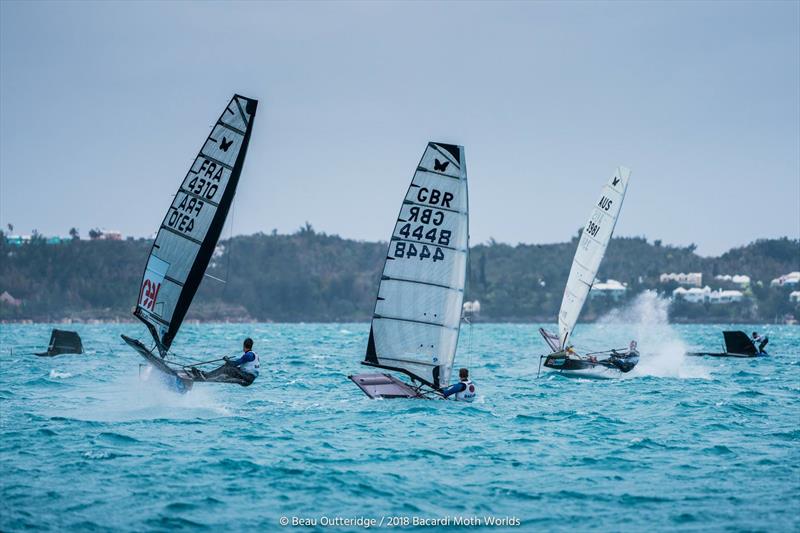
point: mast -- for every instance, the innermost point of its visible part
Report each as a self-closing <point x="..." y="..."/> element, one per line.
<point x="591" y="249"/>
<point x="417" y="315"/>
<point x="191" y="228"/>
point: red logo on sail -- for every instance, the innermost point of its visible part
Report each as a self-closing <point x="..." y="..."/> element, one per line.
<point x="149" y="294"/>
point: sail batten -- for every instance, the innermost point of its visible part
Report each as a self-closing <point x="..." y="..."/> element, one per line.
<point x="417" y="314"/>
<point x="191" y="228"/>
<point x="591" y="249"/>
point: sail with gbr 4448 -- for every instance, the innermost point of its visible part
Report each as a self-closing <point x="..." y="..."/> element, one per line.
<point x="190" y="230"/>
<point x="417" y="315"/>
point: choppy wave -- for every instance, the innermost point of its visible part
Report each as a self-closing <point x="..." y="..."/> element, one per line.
<point x="672" y="447"/>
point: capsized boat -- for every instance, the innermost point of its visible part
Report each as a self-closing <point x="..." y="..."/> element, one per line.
<point x="588" y="256"/>
<point x="62" y="342"/>
<point x="417" y="317"/>
<point x="185" y="243"/>
<point x="737" y="344"/>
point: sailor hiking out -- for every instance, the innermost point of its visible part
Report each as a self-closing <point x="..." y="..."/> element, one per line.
<point x="243" y="370"/>
<point x="248" y="366"/>
<point x="464" y="389"/>
<point x="760" y="343"/>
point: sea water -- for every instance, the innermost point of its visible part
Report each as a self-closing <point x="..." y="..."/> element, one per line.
<point x="680" y="443"/>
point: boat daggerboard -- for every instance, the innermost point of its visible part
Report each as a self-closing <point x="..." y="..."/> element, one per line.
<point x="591" y="249"/>
<point x="418" y="310"/>
<point x="188" y="235"/>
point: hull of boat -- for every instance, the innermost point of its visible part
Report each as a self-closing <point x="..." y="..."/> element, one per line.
<point x="588" y="372"/>
<point x="385" y="386"/>
<point x="178" y="381"/>
<point x="723" y="354"/>
<point x="580" y="367"/>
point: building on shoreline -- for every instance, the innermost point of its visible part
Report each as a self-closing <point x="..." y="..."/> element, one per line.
<point x="741" y="280"/>
<point x="610" y="289"/>
<point x="691" y="279"/>
<point x="697" y="295"/>
<point x="792" y="278"/>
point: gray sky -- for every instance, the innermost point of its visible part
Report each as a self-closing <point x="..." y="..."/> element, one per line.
<point x="104" y="105"/>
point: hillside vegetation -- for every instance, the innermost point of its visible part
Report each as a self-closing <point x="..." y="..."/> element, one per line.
<point x="311" y="276"/>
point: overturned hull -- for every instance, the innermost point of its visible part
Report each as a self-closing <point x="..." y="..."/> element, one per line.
<point x="384" y="386"/>
<point x="585" y="367"/>
<point x="180" y="381"/>
<point x="723" y="354"/>
<point x="62" y="342"/>
<point x="737" y="344"/>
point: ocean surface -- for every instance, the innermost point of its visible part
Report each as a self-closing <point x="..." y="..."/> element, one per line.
<point x="681" y="444"/>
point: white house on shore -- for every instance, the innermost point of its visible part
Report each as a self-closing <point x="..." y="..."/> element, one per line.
<point x="792" y="278"/>
<point x="473" y="308"/>
<point x="794" y="296"/>
<point x="610" y="289"/>
<point x="692" y="279"/>
<point x="725" y="297"/>
<point x="693" y="295"/>
<point x="697" y="295"/>
<point x="737" y="279"/>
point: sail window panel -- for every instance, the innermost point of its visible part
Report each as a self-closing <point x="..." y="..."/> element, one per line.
<point x="178" y="252"/>
<point x="164" y="307"/>
<point x="233" y="114"/>
<point x="439" y="160"/>
<point x="407" y="344"/>
<point x="448" y="271"/>
<point x="424" y="303"/>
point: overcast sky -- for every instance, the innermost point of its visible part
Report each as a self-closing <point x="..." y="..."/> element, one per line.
<point x="104" y="106"/>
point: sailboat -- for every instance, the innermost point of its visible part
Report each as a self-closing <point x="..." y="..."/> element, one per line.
<point x="185" y="243"/>
<point x="417" y="316"/>
<point x="591" y="249"/>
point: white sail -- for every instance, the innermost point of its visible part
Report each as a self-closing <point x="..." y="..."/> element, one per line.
<point x="591" y="249"/>
<point x="190" y="230"/>
<point x="418" y="310"/>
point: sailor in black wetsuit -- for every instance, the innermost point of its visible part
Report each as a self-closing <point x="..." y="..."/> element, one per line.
<point x="760" y="343"/>
<point x="627" y="360"/>
<point x="464" y="389"/>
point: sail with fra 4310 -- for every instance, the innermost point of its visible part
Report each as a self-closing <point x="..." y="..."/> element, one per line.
<point x="187" y="238"/>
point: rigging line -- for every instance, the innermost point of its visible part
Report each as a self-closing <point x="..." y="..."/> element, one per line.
<point x="230" y="247"/>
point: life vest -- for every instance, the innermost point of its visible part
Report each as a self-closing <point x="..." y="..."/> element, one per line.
<point x="251" y="367"/>
<point x="468" y="394"/>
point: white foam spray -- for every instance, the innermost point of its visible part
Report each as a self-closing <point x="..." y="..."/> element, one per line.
<point x="663" y="352"/>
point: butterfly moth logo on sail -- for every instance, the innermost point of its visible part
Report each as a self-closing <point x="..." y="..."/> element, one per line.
<point x="151" y="284"/>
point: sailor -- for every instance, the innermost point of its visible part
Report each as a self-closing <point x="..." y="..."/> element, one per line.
<point x="464" y="389"/>
<point x="632" y="348"/>
<point x="760" y="342"/>
<point x="246" y="367"/>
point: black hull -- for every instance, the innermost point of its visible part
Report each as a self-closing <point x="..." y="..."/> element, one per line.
<point x="584" y="367"/>
<point x="225" y="374"/>
<point x="723" y="354"/>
